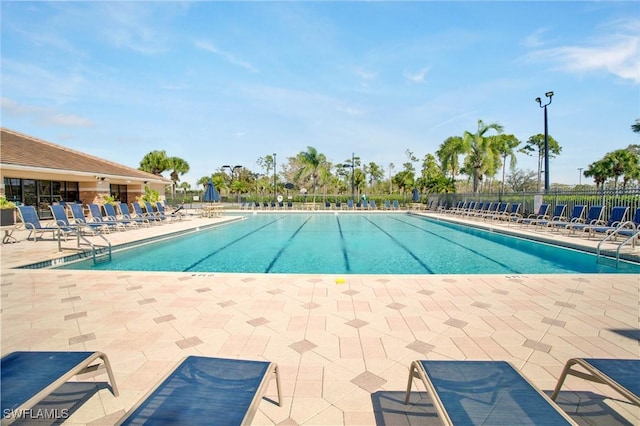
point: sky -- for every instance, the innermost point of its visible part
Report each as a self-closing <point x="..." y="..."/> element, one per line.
<point x="218" y="83"/>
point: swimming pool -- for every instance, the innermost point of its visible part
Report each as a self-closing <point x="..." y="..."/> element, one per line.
<point x="350" y="244"/>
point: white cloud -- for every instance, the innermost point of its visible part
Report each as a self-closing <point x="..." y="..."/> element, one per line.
<point x="618" y="54"/>
<point x="418" y="76"/>
<point x="534" y="40"/>
<point x="366" y="76"/>
<point x="229" y="57"/>
<point x="133" y="26"/>
<point x="44" y="116"/>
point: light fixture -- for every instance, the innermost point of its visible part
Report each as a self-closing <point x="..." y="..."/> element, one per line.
<point x="546" y="140"/>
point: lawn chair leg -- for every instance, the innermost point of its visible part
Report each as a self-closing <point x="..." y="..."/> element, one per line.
<point x="412" y="373"/>
<point x="277" y="373"/>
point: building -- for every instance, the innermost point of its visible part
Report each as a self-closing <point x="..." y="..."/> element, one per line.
<point x="39" y="173"/>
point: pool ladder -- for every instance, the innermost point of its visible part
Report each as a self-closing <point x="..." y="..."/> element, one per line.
<point x="630" y="240"/>
<point x="98" y="252"/>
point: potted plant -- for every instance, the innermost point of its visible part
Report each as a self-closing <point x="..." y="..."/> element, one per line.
<point x="7" y="215"/>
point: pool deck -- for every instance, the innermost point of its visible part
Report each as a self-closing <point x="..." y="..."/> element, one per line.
<point x="343" y="343"/>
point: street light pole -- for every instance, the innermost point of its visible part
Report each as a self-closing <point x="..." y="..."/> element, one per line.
<point x="579" y="175"/>
<point x="275" y="188"/>
<point x="546" y="140"/>
<point x="353" y="172"/>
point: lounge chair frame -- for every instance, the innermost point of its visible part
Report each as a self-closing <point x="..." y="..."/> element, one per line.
<point x="595" y="374"/>
<point x="86" y="365"/>
<point x="271" y="371"/>
<point x="417" y="370"/>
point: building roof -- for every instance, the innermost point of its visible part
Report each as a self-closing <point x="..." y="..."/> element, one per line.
<point x="17" y="149"/>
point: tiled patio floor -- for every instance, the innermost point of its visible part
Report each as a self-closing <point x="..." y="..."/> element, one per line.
<point x="343" y="346"/>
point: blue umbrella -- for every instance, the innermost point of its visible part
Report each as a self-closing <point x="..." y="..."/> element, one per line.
<point x="416" y="195"/>
<point x="211" y="194"/>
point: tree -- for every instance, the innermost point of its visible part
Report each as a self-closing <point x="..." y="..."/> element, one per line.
<point x="505" y="144"/>
<point x="267" y="163"/>
<point x="404" y="180"/>
<point x="449" y="154"/>
<point x="155" y="163"/>
<point x="621" y="162"/>
<point x="636" y="126"/>
<point x="535" y="144"/>
<point x="520" y="180"/>
<point x="598" y="171"/>
<point x="375" y="172"/>
<point x="481" y="152"/>
<point x="310" y="162"/>
<point x="178" y="167"/>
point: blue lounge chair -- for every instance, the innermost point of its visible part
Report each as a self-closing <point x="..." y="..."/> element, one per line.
<point x="31" y="222"/>
<point x="139" y="213"/>
<point x="622" y="375"/>
<point x="387" y="205"/>
<point x="29" y="377"/>
<point x="631" y="227"/>
<point x="395" y="205"/>
<point x="512" y="214"/>
<point x="501" y="210"/>
<point x="98" y="217"/>
<point x="176" y="214"/>
<point x="349" y="204"/>
<point x="62" y="222"/>
<point x="372" y="205"/>
<point x="460" y="205"/>
<point x="615" y="220"/>
<point x="202" y="390"/>
<point x="338" y="205"/>
<point x="559" y="213"/>
<point x="77" y="211"/>
<point x="125" y="214"/>
<point x="484" y="392"/>
<point x="471" y="207"/>
<point x="543" y="213"/>
<point x="576" y="217"/>
<point x="594" y="215"/>
<point x="483" y="209"/>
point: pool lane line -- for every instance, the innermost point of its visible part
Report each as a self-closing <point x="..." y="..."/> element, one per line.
<point x="405" y="248"/>
<point x="343" y="244"/>
<point x="284" y="247"/>
<point x="213" y="253"/>
<point x="478" y="253"/>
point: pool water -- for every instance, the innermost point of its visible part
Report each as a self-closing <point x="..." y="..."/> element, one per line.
<point x="351" y="244"/>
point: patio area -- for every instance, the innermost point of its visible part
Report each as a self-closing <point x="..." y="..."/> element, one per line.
<point x="343" y="343"/>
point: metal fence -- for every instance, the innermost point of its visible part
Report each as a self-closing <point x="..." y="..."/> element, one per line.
<point x="530" y="201"/>
<point x="608" y="198"/>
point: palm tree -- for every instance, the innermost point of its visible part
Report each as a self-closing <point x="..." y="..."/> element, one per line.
<point x="536" y="144"/>
<point x="598" y="171"/>
<point x="481" y="152"/>
<point x="310" y="162"/>
<point x="620" y="162"/>
<point x="178" y="167"/>
<point x="505" y="144"/>
<point x="155" y="162"/>
<point x="375" y="172"/>
<point x="449" y="154"/>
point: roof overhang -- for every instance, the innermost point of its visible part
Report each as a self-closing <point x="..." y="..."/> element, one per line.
<point x="86" y="175"/>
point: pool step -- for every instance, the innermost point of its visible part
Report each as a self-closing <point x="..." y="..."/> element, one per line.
<point x="607" y="261"/>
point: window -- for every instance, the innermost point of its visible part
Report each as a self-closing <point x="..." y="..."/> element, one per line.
<point x="119" y="192"/>
<point x="40" y="193"/>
